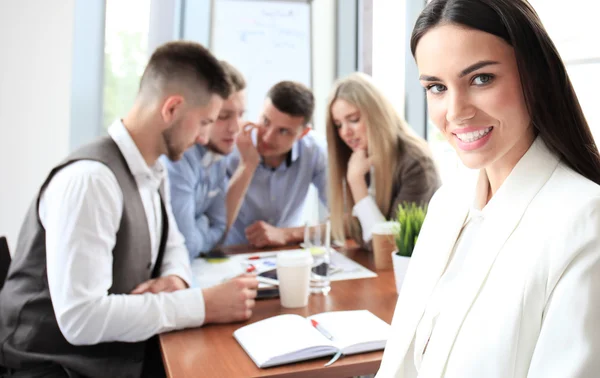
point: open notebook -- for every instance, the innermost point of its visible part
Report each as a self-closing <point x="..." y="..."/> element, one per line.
<point x="284" y="339"/>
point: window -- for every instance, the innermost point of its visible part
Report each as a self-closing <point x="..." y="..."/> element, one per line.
<point x="574" y="32"/>
<point x="125" y="54"/>
<point x="585" y="80"/>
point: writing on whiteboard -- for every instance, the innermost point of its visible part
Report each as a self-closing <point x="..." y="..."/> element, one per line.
<point x="268" y="41"/>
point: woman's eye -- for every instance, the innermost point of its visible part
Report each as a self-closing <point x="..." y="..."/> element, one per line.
<point x="482" y="79"/>
<point x="436" y="88"/>
<point x="355" y="120"/>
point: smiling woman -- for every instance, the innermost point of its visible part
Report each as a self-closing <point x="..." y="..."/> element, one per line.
<point x="475" y="98"/>
<point x="508" y="267"/>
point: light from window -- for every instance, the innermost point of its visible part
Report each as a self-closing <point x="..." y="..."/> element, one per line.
<point x="575" y="34"/>
<point x="125" y="54"/>
<point x="585" y="80"/>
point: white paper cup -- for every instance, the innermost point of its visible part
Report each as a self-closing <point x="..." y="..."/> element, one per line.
<point x="384" y="244"/>
<point x="293" y="272"/>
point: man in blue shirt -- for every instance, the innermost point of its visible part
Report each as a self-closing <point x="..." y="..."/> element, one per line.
<point x="270" y="189"/>
<point x="199" y="182"/>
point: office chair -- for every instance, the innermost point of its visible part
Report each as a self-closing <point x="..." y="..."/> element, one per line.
<point x="4" y="260"/>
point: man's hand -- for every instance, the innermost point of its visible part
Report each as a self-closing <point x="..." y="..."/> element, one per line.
<point x="161" y="285"/>
<point x="262" y="234"/>
<point x="248" y="152"/>
<point x="358" y="166"/>
<point x="231" y="301"/>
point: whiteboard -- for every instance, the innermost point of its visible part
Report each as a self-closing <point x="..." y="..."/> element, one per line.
<point x="268" y="41"/>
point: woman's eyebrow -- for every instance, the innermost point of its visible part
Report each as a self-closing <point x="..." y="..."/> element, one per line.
<point x="353" y="114"/>
<point x="463" y="73"/>
<point x="476" y="66"/>
<point x="429" y="78"/>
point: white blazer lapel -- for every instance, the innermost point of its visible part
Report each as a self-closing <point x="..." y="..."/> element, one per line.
<point x="428" y="262"/>
<point x="502" y="216"/>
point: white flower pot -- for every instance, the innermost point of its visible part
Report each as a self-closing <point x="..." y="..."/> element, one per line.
<point x="400" y="267"/>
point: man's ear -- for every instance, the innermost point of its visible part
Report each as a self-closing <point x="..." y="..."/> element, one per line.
<point x="171" y="108"/>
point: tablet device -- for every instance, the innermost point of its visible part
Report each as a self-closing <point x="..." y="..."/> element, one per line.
<point x="269" y="291"/>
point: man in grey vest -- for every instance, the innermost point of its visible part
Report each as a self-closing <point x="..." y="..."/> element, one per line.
<point x="100" y="266"/>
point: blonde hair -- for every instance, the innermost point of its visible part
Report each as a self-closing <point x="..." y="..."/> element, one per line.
<point x="388" y="136"/>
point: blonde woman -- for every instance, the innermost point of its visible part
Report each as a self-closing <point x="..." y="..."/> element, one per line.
<point x="375" y="160"/>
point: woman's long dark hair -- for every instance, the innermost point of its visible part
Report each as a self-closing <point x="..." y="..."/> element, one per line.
<point x="551" y="101"/>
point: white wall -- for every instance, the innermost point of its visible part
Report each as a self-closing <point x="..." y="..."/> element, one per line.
<point x="35" y="73"/>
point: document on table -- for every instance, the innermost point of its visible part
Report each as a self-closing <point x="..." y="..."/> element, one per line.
<point x="210" y="272"/>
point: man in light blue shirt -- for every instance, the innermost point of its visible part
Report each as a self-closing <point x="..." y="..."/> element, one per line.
<point x="274" y="188"/>
<point x="199" y="181"/>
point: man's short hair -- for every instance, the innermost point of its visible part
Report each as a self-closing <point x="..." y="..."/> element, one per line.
<point x="188" y="67"/>
<point x="294" y="99"/>
<point x="235" y="77"/>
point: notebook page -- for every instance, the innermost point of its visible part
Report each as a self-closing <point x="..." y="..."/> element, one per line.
<point x="278" y="336"/>
<point x="355" y="331"/>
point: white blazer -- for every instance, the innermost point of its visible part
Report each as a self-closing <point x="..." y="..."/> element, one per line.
<point x="528" y="303"/>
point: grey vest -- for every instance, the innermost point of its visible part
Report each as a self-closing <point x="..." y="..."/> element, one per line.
<point x="29" y="333"/>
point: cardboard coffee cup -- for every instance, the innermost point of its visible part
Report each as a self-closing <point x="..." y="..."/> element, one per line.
<point x="293" y="272"/>
<point x="384" y="244"/>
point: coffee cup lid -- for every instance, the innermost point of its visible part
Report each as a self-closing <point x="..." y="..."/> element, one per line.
<point x="294" y="258"/>
<point x="385" y="228"/>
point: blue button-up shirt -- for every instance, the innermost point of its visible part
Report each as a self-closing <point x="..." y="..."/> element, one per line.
<point x="198" y="185"/>
<point x="277" y="195"/>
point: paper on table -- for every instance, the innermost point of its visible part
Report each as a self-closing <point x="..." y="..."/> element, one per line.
<point x="209" y="274"/>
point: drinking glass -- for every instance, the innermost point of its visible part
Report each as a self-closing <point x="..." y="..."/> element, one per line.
<point x="317" y="240"/>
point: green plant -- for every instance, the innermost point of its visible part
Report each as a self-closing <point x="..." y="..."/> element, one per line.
<point x="410" y="217"/>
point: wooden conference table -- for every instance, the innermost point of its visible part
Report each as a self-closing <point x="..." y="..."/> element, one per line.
<point x="211" y="351"/>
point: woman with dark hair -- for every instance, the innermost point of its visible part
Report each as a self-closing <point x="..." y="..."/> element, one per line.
<point x="505" y="278"/>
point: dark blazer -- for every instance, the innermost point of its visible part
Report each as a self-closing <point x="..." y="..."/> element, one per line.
<point x="416" y="179"/>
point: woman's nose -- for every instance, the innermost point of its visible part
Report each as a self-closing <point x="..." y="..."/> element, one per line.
<point x="459" y="108"/>
<point x="346" y="131"/>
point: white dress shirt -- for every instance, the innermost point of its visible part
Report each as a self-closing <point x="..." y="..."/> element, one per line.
<point x="446" y="285"/>
<point x="441" y="298"/>
<point x="367" y="211"/>
<point x="81" y="211"/>
<point x="368" y="215"/>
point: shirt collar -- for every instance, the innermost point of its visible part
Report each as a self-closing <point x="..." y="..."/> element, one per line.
<point x="209" y="157"/>
<point x="131" y="153"/>
<point x="479" y="207"/>
<point x="538" y="159"/>
<point x="289" y="159"/>
<point x="292" y="155"/>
